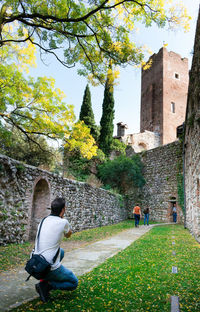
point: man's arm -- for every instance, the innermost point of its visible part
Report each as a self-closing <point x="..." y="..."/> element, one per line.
<point x="68" y="234"/>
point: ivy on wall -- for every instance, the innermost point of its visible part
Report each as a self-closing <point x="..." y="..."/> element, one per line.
<point x="180" y="187"/>
<point x="179" y="175"/>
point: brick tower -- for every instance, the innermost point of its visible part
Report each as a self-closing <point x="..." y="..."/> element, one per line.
<point x="164" y="95"/>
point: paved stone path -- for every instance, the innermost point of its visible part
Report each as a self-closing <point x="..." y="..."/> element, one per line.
<point x="14" y="290"/>
<point x="174" y="304"/>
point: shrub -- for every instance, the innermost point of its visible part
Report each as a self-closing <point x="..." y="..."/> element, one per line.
<point x="80" y="167"/>
<point x="122" y="173"/>
<point x="118" y="146"/>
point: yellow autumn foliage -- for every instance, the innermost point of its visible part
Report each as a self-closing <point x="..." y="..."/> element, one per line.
<point x="38" y="103"/>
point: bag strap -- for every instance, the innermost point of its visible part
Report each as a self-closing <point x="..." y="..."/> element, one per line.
<point x="38" y="234"/>
<point x="56" y="255"/>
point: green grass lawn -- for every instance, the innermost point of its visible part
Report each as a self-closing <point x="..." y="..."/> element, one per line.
<point x="138" y="279"/>
<point x="13" y="254"/>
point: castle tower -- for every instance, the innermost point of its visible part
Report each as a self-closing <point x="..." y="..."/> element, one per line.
<point x="164" y="95"/>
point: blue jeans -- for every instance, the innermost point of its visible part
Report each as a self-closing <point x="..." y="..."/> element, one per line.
<point x="146" y="218"/>
<point x="137" y="219"/>
<point x="62" y="278"/>
<point x="174" y="216"/>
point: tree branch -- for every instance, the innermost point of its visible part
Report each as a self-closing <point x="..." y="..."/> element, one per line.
<point x="27" y="134"/>
<point x="23" y="8"/>
<point x="51" y="52"/>
<point x="86" y="55"/>
<point x="17" y="40"/>
<point x="50" y="28"/>
<point x="52" y="18"/>
<point x="21" y="129"/>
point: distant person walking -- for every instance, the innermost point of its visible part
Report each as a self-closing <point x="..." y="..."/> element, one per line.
<point x="137" y="214"/>
<point x="174" y="212"/>
<point x="146" y="216"/>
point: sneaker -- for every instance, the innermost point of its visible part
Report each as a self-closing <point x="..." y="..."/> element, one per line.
<point x="42" y="289"/>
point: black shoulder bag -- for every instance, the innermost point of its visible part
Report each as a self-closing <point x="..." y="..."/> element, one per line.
<point x="37" y="266"/>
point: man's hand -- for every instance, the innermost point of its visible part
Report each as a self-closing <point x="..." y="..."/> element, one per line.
<point x="68" y="234"/>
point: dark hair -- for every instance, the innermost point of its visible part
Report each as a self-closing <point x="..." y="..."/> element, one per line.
<point x="57" y="205"/>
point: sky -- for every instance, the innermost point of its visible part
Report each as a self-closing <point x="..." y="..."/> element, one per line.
<point x="127" y="92"/>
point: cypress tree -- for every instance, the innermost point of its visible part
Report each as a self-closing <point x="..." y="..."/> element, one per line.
<point x="86" y="113"/>
<point x="106" y="123"/>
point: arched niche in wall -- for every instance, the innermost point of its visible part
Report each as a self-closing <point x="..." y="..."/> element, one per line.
<point x="172" y="200"/>
<point x="40" y="205"/>
<point x="142" y="146"/>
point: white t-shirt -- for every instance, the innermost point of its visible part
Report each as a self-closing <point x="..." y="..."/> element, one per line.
<point x="51" y="234"/>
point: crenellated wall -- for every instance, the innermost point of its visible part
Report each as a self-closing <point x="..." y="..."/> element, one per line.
<point x="26" y="193"/>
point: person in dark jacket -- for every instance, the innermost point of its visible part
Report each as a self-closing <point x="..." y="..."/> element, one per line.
<point x="146" y="216"/>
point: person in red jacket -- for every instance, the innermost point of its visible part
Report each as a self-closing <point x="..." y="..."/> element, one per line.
<point x="137" y="214"/>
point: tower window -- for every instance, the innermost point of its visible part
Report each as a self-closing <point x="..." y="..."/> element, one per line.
<point x="173" y="107"/>
<point x="176" y="75"/>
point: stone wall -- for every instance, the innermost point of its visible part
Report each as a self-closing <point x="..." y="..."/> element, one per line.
<point x="26" y="193"/>
<point x="192" y="143"/>
<point x="161" y="188"/>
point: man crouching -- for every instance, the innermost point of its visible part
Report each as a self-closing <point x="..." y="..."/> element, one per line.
<point x="51" y="234"/>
